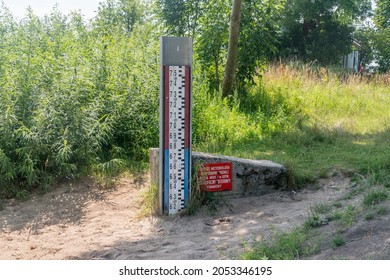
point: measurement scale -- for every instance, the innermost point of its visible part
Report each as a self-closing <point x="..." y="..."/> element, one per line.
<point x="175" y="124"/>
<point x="176" y="138"/>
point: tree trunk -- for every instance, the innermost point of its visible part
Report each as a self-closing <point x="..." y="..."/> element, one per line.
<point x="231" y="63"/>
<point x="216" y="58"/>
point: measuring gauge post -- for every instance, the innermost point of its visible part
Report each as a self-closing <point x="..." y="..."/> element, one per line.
<point x="175" y="123"/>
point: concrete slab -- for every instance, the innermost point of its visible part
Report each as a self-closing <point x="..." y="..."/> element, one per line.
<point x="249" y="177"/>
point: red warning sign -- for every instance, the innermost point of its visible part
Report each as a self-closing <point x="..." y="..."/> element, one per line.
<point x="215" y="177"/>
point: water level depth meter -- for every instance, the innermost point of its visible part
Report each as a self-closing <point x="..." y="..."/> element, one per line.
<point x="175" y="123"/>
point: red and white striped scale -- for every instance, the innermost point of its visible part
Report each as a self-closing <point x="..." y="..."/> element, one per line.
<point x="176" y="127"/>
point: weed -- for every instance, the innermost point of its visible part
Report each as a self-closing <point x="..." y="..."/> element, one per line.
<point x="335" y="216"/>
<point x="283" y="246"/>
<point x="380" y="176"/>
<point x="315" y="217"/>
<point x="201" y="198"/>
<point x="312" y="221"/>
<point x="105" y="172"/>
<point x="354" y="192"/>
<point x="374" y="197"/>
<point x="313" y="127"/>
<point x="322" y="208"/>
<point x="369" y="216"/>
<point x="149" y="203"/>
<point x="22" y="194"/>
<point x="349" y="215"/>
<point x="198" y="196"/>
<point x="337" y="241"/>
<point x="340" y="230"/>
<point x="381" y="210"/>
<point x="69" y="107"/>
<point x="337" y="204"/>
<point x="376" y="212"/>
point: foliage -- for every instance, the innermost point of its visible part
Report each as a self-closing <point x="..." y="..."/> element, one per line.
<point x="149" y="204"/>
<point x="229" y="76"/>
<point x="212" y="43"/>
<point x="81" y="96"/>
<point x="181" y="18"/>
<point x="334" y="216"/>
<point x="320" y="30"/>
<point x="338" y="241"/>
<point x="258" y="37"/>
<point x="118" y="16"/>
<point x="365" y="36"/>
<point x="381" y="41"/>
<point x="375" y="197"/>
<point x="207" y="21"/>
<point x="322" y="208"/>
<point x="312" y="119"/>
<point x="304" y="240"/>
<point x="105" y="172"/>
<point x="217" y="125"/>
<point x="374" y="38"/>
<point x="283" y="246"/>
<point x="75" y="97"/>
<point x="382" y="13"/>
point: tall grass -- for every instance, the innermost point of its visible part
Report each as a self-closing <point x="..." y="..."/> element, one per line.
<point x="312" y="119"/>
<point x="337" y="101"/>
<point x="80" y="98"/>
<point x="74" y="99"/>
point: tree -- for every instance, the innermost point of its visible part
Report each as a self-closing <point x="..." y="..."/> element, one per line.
<point x="118" y="15"/>
<point x="320" y="30"/>
<point x="381" y="35"/>
<point x="208" y="22"/>
<point x="231" y="63"/>
<point x="212" y="40"/>
<point x="259" y="33"/>
<point x="382" y="13"/>
<point x="382" y="46"/>
<point x="365" y="36"/>
<point x="259" y="26"/>
<point x="181" y="18"/>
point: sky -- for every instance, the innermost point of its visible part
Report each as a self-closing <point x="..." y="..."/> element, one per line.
<point x="18" y="8"/>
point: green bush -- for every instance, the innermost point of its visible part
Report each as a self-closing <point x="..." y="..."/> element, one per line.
<point x="74" y="99"/>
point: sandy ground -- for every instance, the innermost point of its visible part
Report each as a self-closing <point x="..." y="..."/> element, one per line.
<point x="80" y="221"/>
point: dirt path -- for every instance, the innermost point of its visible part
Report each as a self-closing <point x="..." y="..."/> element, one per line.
<point x="82" y="222"/>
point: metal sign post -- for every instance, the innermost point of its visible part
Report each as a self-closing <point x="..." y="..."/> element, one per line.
<point x="175" y="123"/>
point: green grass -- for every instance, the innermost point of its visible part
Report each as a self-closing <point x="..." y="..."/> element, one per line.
<point x="375" y="213"/>
<point x="337" y="204"/>
<point x="337" y="241"/>
<point x="335" y="216"/>
<point x="322" y="208"/>
<point x="283" y="246"/>
<point x="315" y="125"/>
<point x="349" y="215"/>
<point x="354" y="192"/>
<point x="149" y="201"/>
<point x="316" y="216"/>
<point x="300" y="119"/>
<point x="374" y="197"/>
<point x="369" y="216"/>
<point x="381" y="210"/>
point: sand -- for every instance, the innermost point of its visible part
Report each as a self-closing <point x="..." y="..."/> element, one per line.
<point x="78" y="220"/>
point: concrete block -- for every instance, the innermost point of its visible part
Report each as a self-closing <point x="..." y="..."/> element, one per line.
<point x="249" y="177"/>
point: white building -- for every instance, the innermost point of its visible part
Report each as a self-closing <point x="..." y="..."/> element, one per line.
<point x="351" y="61"/>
